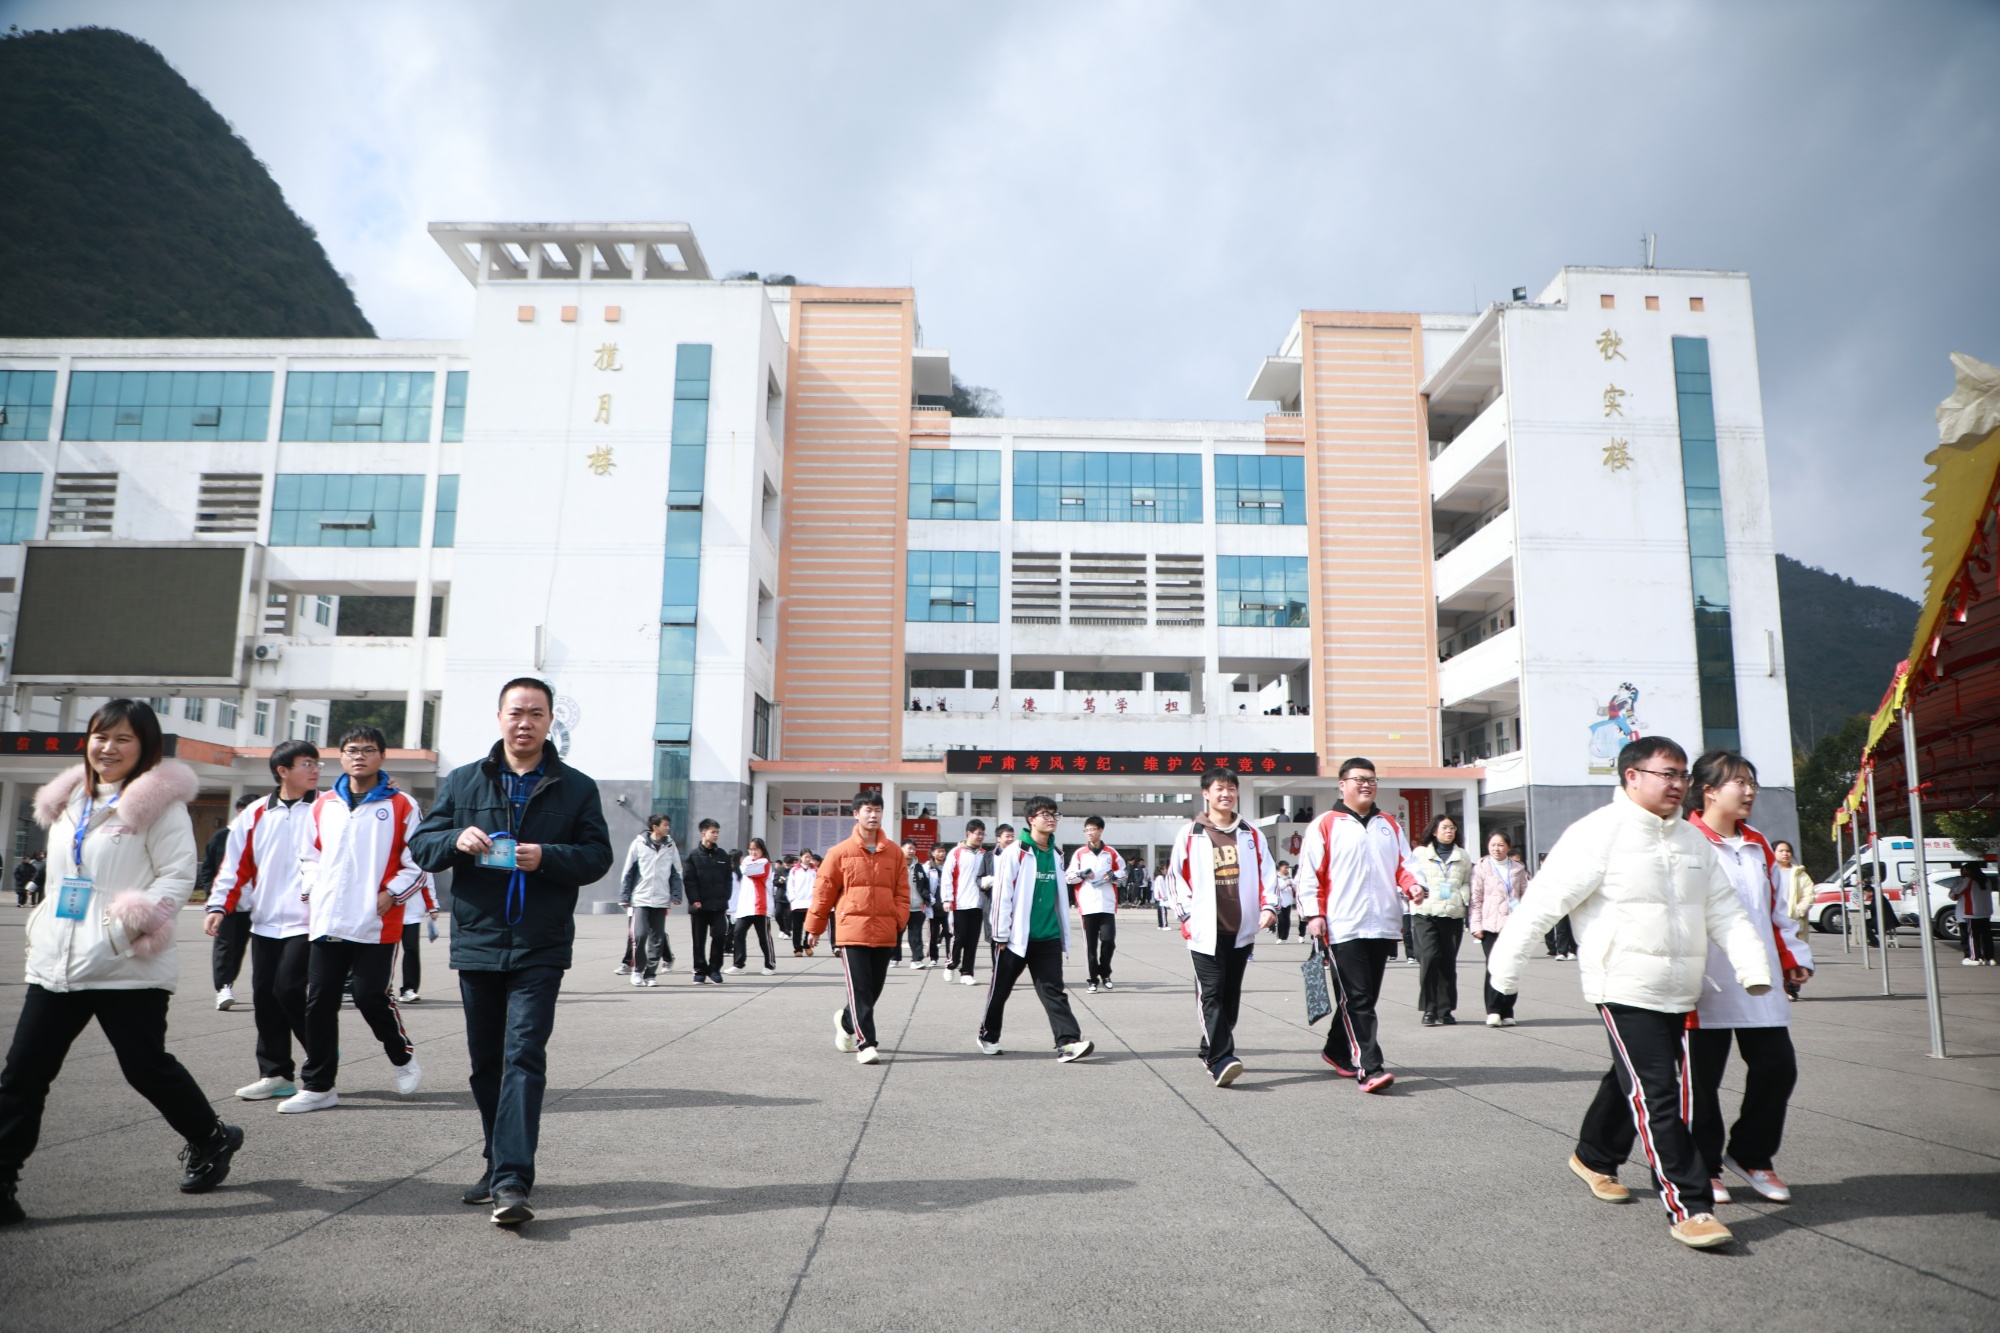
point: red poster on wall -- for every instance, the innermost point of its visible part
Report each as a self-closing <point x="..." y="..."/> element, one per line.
<point x="922" y="832"/>
<point x="1418" y="799"/>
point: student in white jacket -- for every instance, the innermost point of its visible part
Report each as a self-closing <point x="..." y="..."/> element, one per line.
<point x="1720" y="795"/>
<point x="1031" y="934"/>
<point x="963" y="886"/>
<point x="1222" y="884"/>
<point x="1094" y="871"/>
<point x="101" y="943"/>
<point x="1645" y="895"/>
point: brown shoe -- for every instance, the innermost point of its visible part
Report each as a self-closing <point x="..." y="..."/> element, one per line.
<point x="1701" y="1232"/>
<point x="1604" y="1187"/>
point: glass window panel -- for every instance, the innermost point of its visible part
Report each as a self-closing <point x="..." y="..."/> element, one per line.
<point x="444" y="525"/>
<point x="319" y="509"/>
<point x="454" y="406"/>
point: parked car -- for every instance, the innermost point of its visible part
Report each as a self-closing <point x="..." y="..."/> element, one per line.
<point x="1942" y="857"/>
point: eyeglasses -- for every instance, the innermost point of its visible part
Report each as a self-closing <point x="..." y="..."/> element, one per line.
<point x="1668" y="775"/>
<point x="1363" y="782"/>
<point x="360" y="751"/>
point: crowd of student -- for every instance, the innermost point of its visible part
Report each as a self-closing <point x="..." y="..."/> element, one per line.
<point x="1679" y="913"/>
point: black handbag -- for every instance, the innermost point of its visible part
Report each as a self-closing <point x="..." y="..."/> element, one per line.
<point x="1319" y="1002"/>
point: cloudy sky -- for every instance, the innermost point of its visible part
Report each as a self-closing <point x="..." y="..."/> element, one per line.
<point x="1116" y="209"/>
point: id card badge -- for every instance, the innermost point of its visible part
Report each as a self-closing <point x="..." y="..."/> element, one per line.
<point x="500" y="856"/>
<point x="73" y="898"/>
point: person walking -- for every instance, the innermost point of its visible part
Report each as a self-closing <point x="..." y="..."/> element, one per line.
<point x="1800" y="892"/>
<point x="521" y="831"/>
<point x="259" y="881"/>
<point x="711" y="880"/>
<point x="1973" y="893"/>
<point x="232" y="935"/>
<point x="1721" y="793"/>
<point x="358" y="878"/>
<point x="1031" y="934"/>
<point x="1648" y="894"/>
<point x="941" y="932"/>
<point x="1286" y="898"/>
<point x="862" y="890"/>
<point x="1356" y="886"/>
<point x="750" y="908"/>
<point x="1219" y="885"/>
<point x="1497" y="884"/>
<point x="29" y="877"/>
<point x="799" y="887"/>
<point x="963" y="886"/>
<point x="650" y="884"/>
<point x="1161" y="900"/>
<point x="1094" y="872"/>
<point x="1437" y="924"/>
<point x="104" y="949"/>
<point x="920" y="906"/>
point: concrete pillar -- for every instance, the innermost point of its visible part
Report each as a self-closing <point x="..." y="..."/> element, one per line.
<point x="760" y="806"/>
<point x="10" y="821"/>
<point x="1003" y="809"/>
<point x="1469" y="834"/>
<point x="892" y="809"/>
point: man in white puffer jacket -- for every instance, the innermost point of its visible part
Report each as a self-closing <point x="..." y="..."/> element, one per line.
<point x="1645" y="894"/>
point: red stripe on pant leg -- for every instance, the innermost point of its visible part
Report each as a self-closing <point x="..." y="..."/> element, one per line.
<point x="1669" y="1194"/>
<point x="1353" y="1042"/>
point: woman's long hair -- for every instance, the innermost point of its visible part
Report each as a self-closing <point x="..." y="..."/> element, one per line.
<point x="1430" y="838"/>
<point x="144" y="723"/>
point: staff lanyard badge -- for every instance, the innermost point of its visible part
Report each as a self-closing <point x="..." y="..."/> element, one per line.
<point x="73" y="898"/>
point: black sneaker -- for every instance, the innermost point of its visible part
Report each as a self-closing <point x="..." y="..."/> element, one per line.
<point x="10" y="1206"/>
<point x="480" y="1191"/>
<point x="208" y="1162"/>
<point x="1447" y="1020"/>
<point x="1430" y="1020"/>
<point x="510" y="1206"/>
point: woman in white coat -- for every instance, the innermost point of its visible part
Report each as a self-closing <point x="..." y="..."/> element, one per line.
<point x="101" y="945"/>
<point x="1721" y="791"/>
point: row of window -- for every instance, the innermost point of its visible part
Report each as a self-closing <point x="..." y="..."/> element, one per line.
<point x="1061" y="486"/>
<point x="308" y="726"/>
<point x="338" y="406"/>
<point x="307" y="509"/>
<point x="964" y="586"/>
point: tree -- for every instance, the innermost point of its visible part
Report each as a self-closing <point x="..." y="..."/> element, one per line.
<point x="966" y="400"/>
<point x="1825" y="776"/>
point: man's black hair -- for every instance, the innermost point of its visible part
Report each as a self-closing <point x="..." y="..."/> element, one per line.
<point x="706" y="825"/>
<point x="654" y="821"/>
<point x="284" y="756"/>
<point x="363" y="732"/>
<point x="1348" y="765"/>
<point x="978" y="824"/>
<point x="1004" y="828"/>
<point x="1637" y="752"/>
<point x="862" y="798"/>
<point x="1220" y="773"/>
<point x="528" y="683"/>
<point x="1094" y="821"/>
<point x="247" y="799"/>
<point x="1037" y="804"/>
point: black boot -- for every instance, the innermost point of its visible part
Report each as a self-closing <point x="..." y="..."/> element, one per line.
<point x="10" y="1206"/>
<point x="208" y="1161"/>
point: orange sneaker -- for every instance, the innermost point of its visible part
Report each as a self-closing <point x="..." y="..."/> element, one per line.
<point x="1701" y="1232"/>
<point x="1604" y="1187"/>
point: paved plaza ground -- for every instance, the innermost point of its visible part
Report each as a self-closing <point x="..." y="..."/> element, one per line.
<point x="710" y="1162"/>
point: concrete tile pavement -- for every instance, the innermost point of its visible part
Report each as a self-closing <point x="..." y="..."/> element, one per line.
<point x="708" y="1160"/>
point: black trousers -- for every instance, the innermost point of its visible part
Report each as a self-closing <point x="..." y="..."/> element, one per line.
<point x="134" y="1022"/>
<point x="762" y="926"/>
<point x="647" y="936"/>
<point x="710" y="931"/>
<point x="278" y="971"/>
<point x="1437" y="940"/>
<point x="865" y="968"/>
<point x="327" y="969"/>
<point x="1496" y="1003"/>
<point x="913" y="932"/>
<point x="1561" y="940"/>
<point x="1978" y="939"/>
<point x="232" y="938"/>
<point x="1218" y="983"/>
<point x="1647" y="1096"/>
<point x="413" y="962"/>
<point x="1357" y="981"/>
<point x="940" y="933"/>
<point x="799" y="929"/>
<point x="1160" y="914"/>
<point x="508" y="1019"/>
<point x="1771" y="1071"/>
<point x="1100" y="941"/>
<point x="1044" y="963"/>
<point x="1284" y="922"/>
<point x="965" y="938"/>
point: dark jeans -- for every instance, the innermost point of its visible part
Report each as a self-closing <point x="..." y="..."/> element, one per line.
<point x="1044" y="963"/>
<point x="940" y="933"/>
<point x="1771" y="1070"/>
<point x="225" y="959"/>
<point x="1437" y="939"/>
<point x="1357" y="980"/>
<point x="508" y="1018"/>
<point x="711" y="934"/>
<point x="799" y="929"/>
<point x="761" y="925"/>
<point x="1561" y="940"/>
<point x="1218" y="982"/>
<point x="913" y="931"/>
<point x="1496" y="1003"/>
<point x="278" y="970"/>
<point x="1641" y="1098"/>
<point x="413" y="960"/>
<point x="1284" y="922"/>
<point x="866" y="968"/>
<point x="966" y="922"/>
<point x="1100" y="941"/>
<point x="327" y="969"/>
<point x="647" y="936"/>
<point x="134" y="1022"/>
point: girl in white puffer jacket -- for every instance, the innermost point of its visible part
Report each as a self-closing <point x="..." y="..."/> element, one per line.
<point x="101" y="945"/>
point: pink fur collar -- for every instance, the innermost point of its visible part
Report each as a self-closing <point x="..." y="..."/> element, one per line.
<point x="144" y="800"/>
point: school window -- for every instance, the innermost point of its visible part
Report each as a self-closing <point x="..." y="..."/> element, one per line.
<point x="27" y="400"/>
<point x="688" y="462"/>
<point x="347" y="509"/>
<point x="194" y="710"/>
<point x="1267" y="590"/>
<point x="358" y="406"/>
<point x="168" y="405"/>
<point x="322" y="610"/>
<point x="260" y="719"/>
<point x="20" y="504"/>
<point x="444" y="515"/>
<point x="1708" y="564"/>
<point x="670" y="784"/>
<point x="1072" y="487"/>
<point x="760" y="727"/>
<point x="953" y="586"/>
<point x="955" y="484"/>
<point x="161" y="705"/>
<point x="312" y="728"/>
<point x="225" y="714"/>
<point x="454" y="406"/>
<point x="1260" y="488"/>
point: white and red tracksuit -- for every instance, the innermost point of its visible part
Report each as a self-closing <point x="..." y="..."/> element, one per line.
<point x="752" y="894"/>
<point x="1219" y="960"/>
<point x="260" y="867"/>
<point x="354" y="854"/>
<point x="960" y="892"/>
<point x="1097" y="903"/>
<point x="1355" y="872"/>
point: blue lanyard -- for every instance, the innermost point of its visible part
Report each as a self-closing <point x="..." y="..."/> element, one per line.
<point x="517" y="892"/>
<point x="83" y="830"/>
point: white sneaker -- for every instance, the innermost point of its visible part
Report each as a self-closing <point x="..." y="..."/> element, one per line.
<point x="1107" y="984"/>
<point x="307" y="1100"/>
<point x="871" y="1056"/>
<point x="638" y="979"/>
<point x="989" y="1047"/>
<point x="621" y="971"/>
<point x="225" y="998"/>
<point x="769" y="971"/>
<point x="1091" y="988"/>
<point x="1493" y="1020"/>
<point x="266" y="1088"/>
<point x="667" y="966"/>
<point x="409" y="1077"/>
<point x="1075" y="1050"/>
<point x="732" y="969"/>
<point x="967" y="981"/>
<point x="648" y="981"/>
<point x="843" y="1040"/>
<point x="1720" y="1191"/>
<point x="408" y="997"/>
<point x="1970" y="962"/>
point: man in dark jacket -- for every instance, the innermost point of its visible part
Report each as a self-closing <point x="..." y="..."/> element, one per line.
<point x="710" y="878"/>
<point x="521" y="831"/>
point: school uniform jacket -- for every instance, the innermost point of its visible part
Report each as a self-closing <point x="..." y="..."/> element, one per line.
<point x="752" y="895"/>
<point x="1760" y="887"/>
<point x="799" y="889"/>
<point x="260" y="867"/>
<point x="353" y="855"/>
<point x="1191" y="883"/>
<point x="1099" y="890"/>
<point x="1014" y="872"/>
<point x="1357" y="875"/>
<point x="959" y="884"/>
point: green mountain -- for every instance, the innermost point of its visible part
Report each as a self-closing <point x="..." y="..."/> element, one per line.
<point x="130" y="209"/>
<point x="1842" y="642"/>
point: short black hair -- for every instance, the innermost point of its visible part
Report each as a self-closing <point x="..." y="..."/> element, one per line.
<point x="145" y="724"/>
<point x="1037" y="804"/>
<point x="363" y="732"/>
<point x="1094" y="821"/>
<point x="1004" y="828"/>
<point x="972" y="824"/>
<point x="1637" y="752"/>
<point x="1220" y="773"/>
<point x="528" y="683"/>
<point x="284" y="756"/>
<point x="654" y="821"/>
<point x="247" y="799"/>
<point x="706" y="825"/>
<point x="862" y="798"/>
<point x="1349" y="765"/>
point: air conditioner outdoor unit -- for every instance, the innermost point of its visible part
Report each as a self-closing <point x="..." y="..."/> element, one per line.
<point x="267" y="652"/>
